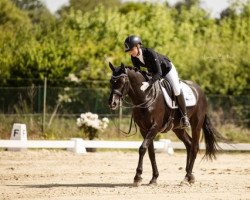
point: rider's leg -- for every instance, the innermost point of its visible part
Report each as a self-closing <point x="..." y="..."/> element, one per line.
<point x="182" y="106"/>
<point x="173" y="78"/>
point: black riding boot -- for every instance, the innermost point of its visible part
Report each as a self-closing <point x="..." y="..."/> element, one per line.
<point x="182" y="106"/>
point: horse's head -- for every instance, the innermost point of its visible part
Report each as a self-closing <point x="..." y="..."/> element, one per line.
<point x="119" y="85"/>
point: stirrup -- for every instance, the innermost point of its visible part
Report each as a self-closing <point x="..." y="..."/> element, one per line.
<point x="184" y="122"/>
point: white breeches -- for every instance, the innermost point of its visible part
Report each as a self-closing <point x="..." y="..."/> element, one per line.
<point x="173" y="78"/>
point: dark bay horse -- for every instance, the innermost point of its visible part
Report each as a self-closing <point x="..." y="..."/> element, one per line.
<point x="151" y="114"/>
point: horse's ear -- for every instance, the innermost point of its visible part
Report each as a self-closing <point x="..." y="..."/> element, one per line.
<point x="123" y="67"/>
<point x="111" y="66"/>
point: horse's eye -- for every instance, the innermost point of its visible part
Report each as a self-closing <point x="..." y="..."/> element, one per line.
<point x="112" y="81"/>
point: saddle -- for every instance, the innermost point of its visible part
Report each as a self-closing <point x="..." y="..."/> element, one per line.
<point x="169" y="96"/>
<point x="168" y="92"/>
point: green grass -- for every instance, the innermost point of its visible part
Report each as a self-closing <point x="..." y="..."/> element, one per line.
<point x="65" y="128"/>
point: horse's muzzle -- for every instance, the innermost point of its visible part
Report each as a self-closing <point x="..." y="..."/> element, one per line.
<point x="113" y="106"/>
<point x="114" y="102"/>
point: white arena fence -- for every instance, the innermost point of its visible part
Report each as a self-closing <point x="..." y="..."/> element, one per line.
<point x="18" y="141"/>
<point x="79" y="145"/>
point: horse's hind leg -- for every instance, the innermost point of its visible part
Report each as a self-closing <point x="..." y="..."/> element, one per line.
<point x="187" y="140"/>
<point x="194" y="150"/>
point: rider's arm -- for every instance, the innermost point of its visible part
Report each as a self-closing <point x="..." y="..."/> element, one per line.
<point x="135" y="62"/>
<point x="157" y="67"/>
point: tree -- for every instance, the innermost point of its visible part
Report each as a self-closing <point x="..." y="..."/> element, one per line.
<point x="14" y="25"/>
<point x="88" y="5"/>
<point x="213" y="53"/>
<point x="36" y="10"/>
<point x="187" y="4"/>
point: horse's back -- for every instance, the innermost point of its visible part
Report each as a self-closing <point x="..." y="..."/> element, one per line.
<point x="194" y="86"/>
<point x="199" y="94"/>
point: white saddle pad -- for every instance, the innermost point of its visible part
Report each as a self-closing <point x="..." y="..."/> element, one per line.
<point x="188" y="96"/>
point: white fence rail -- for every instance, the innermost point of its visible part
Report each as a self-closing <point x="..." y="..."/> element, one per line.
<point x="78" y="145"/>
<point x="223" y="146"/>
<point x="18" y="141"/>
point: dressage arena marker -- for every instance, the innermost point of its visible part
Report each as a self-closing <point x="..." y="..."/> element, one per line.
<point x="18" y="132"/>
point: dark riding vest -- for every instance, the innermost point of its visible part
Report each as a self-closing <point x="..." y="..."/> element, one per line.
<point x="156" y="64"/>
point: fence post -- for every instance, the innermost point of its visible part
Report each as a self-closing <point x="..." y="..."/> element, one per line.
<point x="120" y="116"/>
<point x="79" y="147"/>
<point x="44" y="102"/>
<point x="168" y="147"/>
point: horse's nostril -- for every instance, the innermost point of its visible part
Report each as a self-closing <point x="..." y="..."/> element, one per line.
<point x="114" y="104"/>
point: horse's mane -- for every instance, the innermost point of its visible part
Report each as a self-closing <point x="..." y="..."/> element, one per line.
<point x="131" y="68"/>
<point x="145" y="74"/>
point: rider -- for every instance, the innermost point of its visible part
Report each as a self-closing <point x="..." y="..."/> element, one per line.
<point x="160" y="66"/>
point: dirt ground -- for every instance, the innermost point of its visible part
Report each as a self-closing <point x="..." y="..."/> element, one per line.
<point x="59" y="174"/>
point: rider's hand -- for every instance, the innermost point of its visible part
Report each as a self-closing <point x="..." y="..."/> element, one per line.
<point x="144" y="86"/>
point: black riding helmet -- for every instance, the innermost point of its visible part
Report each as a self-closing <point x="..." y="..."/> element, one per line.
<point x="131" y="41"/>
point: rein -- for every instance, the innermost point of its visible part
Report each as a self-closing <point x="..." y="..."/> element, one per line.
<point x="127" y="134"/>
<point x="141" y="105"/>
<point x="146" y="104"/>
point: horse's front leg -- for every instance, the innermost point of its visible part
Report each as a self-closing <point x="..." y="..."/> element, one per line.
<point x="151" y="153"/>
<point x="148" y="140"/>
<point x="142" y="151"/>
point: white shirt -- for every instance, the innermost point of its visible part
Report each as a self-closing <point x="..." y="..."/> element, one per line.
<point x="140" y="57"/>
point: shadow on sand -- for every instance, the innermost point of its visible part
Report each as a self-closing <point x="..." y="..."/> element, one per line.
<point x="94" y="185"/>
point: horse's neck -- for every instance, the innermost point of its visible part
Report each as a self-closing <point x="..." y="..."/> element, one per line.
<point x="135" y="78"/>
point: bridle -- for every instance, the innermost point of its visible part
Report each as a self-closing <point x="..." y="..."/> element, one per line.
<point x="125" y="87"/>
<point x="121" y="95"/>
<point x="122" y="92"/>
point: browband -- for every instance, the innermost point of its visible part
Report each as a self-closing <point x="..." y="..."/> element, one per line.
<point x="121" y="75"/>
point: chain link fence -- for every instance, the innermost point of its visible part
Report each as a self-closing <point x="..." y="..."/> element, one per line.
<point x="22" y="104"/>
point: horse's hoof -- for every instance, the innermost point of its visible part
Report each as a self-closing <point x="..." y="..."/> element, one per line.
<point x="191" y="179"/>
<point x="137" y="183"/>
<point x="185" y="182"/>
<point x="188" y="180"/>
<point x="152" y="183"/>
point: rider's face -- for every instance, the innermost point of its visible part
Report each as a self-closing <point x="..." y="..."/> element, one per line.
<point x="134" y="51"/>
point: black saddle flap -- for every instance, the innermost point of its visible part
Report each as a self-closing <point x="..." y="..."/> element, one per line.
<point x="166" y="84"/>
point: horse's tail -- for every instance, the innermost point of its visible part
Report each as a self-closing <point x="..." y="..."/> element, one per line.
<point x="211" y="136"/>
